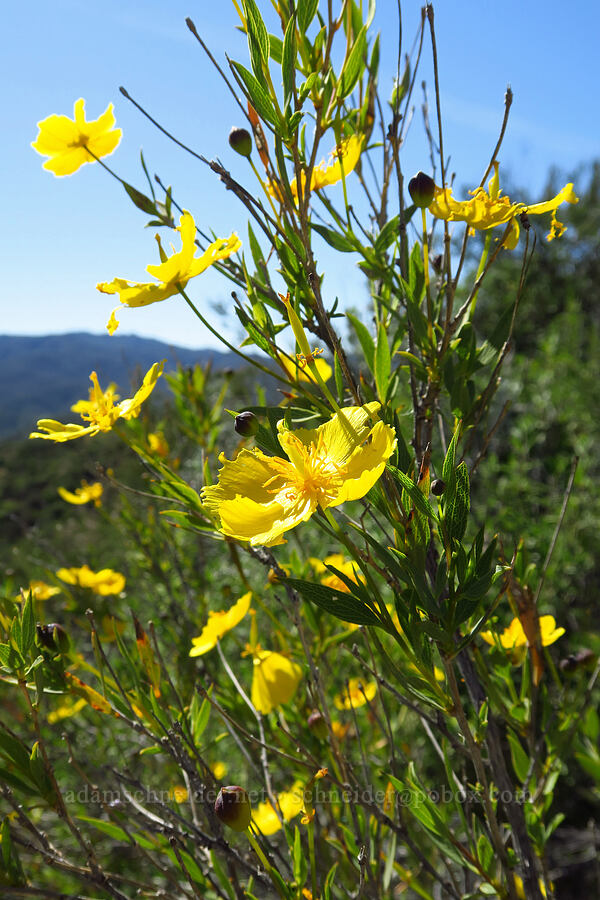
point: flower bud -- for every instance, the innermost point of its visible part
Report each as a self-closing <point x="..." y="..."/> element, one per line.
<point x="240" y="141"/>
<point x="317" y="724"/>
<point x="421" y="188"/>
<point x="246" y="424"/>
<point x="438" y="487"/>
<point x="232" y="807"/>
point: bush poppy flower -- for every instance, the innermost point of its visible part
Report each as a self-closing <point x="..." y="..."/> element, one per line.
<point x="514" y="640"/>
<point x="67" y="141"/>
<point x="101" y="409"/>
<point x="105" y="582"/>
<point x="258" y="497"/>
<point x="172" y="272"/>
<point x="487" y="209"/>
<point x="290" y="803"/>
<point x="356" y="694"/>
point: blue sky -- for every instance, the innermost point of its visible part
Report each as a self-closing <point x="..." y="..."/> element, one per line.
<point x="63" y="235"/>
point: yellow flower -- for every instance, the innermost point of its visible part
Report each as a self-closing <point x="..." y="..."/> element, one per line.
<point x="299" y="372"/>
<point x="275" y="680"/>
<point x="346" y="567"/>
<point x="67" y="141"/>
<point x="290" y="803"/>
<point x="219" y="623"/>
<point x="219" y="769"/>
<point x="40" y="591"/>
<point x="158" y="444"/>
<point x="357" y="694"/>
<point x="488" y="209"/>
<point x="104" y="582"/>
<point x="101" y="410"/>
<point x="83" y="494"/>
<point x="172" y="272"/>
<point x="258" y="498"/>
<point x="345" y="155"/>
<point x="513" y="637"/>
<point x="179" y="793"/>
<point x="69" y="707"/>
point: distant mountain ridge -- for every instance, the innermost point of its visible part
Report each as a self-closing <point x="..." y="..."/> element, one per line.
<point x="43" y="377"/>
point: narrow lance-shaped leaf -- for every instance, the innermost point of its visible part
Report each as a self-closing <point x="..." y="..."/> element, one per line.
<point x="353" y="65"/>
<point x="288" y="61"/>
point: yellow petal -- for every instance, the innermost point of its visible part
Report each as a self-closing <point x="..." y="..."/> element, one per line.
<point x="366" y="464"/>
<point x="358" y="693"/>
<point x="219" y="623"/>
<point x="176" y="267"/>
<point x="567" y="195"/>
<point x="135" y="294"/>
<point x="275" y="680"/>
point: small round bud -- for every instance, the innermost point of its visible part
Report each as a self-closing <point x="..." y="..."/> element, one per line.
<point x="240" y="141"/>
<point x="232" y="807"/>
<point x="438" y="487"/>
<point x="421" y="188"/>
<point x="317" y="724"/>
<point x="246" y="424"/>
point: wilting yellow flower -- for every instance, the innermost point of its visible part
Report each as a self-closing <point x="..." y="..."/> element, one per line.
<point x="258" y="498"/>
<point x="101" y="410"/>
<point x="275" y="680"/>
<point x="290" y="803"/>
<point x="83" y="494"/>
<point x="488" y="209"/>
<point x="299" y="372"/>
<point x="104" y="582"/>
<point x="345" y="566"/>
<point x="357" y="694"/>
<point x="219" y="623"/>
<point x="514" y="638"/>
<point x="69" y="707"/>
<point x="346" y="155"/>
<point x="172" y="272"/>
<point x="39" y="591"/>
<point x="67" y="141"/>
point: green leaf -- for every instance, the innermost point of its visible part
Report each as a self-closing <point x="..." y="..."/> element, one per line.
<point x="354" y="65"/>
<point x="365" y="340"/>
<point x="520" y="760"/>
<point x="276" y="48"/>
<point x="140" y="200"/>
<point x="199" y="716"/>
<point x="109" y="828"/>
<point x="448" y="467"/>
<point x="344" y="606"/>
<point x="421" y="503"/>
<point x="27" y="625"/>
<point x="336" y="240"/>
<point x="329" y="882"/>
<point x="288" y="61"/>
<point x="383" y="362"/>
<point x="456" y="511"/>
<point x="257" y="30"/>
<point x="387" y="235"/>
<point x="306" y="12"/>
<point x="256" y="94"/>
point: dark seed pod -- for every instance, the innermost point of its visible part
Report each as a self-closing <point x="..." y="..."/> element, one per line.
<point x="421" y="188"/>
<point x="438" y="487"/>
<point x="246" y="424"/>
<point x="240" y="141"/>
<point x="232" y="807"/>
